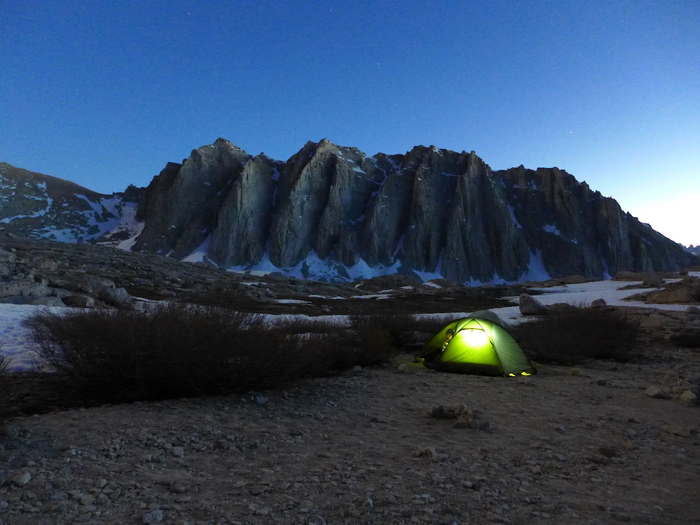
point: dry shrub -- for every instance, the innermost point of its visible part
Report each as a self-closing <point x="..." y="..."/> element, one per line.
<point x="173" y="350"/>
<point x="431" y="325"/>
<point x="4" y="381"/>
<point x="573" y="335"/>
<point x="689" y="338"/>
<point x="381" y="336"/>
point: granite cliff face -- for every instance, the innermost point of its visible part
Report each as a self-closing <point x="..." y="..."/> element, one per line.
<point x="182" y="204"/>
<point x="332" y="212"/>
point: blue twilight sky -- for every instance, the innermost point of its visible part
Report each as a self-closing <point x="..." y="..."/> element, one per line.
<point x="105" y="92"/>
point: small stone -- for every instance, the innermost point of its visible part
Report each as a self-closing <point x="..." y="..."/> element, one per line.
<point x="22" y="479"/>
<point x="656" y="392"/>
<point x="178" y="452"/>
<point x="256" y="490"/>
<point x="480" y="425"/>
<point x="87" y="500"/>
<point x="688" y="398"/>
<point x="178" y="488"/>
<point x="154" y="516"/>
<point x="676" y="430"/>
<point x="59" y="495"/>
<point x="436" y="411"/>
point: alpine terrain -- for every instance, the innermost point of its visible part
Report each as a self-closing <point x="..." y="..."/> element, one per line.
<point x="334" y="213"/>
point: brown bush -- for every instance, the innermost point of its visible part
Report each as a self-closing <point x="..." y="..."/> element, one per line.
<point x="174" y="350"/>
<point x="384" y="334"/>
<point x="689" y="338"/>
<point x="573" y="335"/>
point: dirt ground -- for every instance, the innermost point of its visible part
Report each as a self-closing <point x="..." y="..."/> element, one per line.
<point x="568" y="445"/>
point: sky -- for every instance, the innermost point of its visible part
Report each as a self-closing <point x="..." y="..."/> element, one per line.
<point x="104" y="93"/>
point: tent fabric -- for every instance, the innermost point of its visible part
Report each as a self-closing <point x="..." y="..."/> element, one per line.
<point x="477" y="344"/>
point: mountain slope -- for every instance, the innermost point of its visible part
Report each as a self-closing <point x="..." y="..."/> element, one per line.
<point x="40" y="206"/>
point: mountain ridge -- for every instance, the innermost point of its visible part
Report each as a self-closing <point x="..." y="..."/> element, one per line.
<point x="333" y="213"/>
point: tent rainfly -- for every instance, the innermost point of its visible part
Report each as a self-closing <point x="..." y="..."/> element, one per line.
<point x="477" y="344"/>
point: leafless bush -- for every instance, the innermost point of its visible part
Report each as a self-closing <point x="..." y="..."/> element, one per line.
<point x="175" y="350"/>
<point x="382" y="335"/>
<point x="689" y="338"/>
<point x="573" y="335"/>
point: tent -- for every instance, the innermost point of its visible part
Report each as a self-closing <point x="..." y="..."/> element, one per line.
<point x="478" y="344"/>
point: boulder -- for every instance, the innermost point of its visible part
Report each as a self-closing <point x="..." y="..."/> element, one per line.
<point x="117" y="297"/>
<point x="79" y="301"/>
<point x="94" y="283"/>
<point x="48" y="301"/>
<point x="598" y="303"/>
<point x="531" y="306"/>
<point x="24" y="288"/>
<point x="686" y="291"/>
<point x="654" y="281"/>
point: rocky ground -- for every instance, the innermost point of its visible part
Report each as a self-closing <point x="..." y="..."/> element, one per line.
<point x="569" y="445"/>
<point x="83" y="275"/>
<point x="594" y="444"/>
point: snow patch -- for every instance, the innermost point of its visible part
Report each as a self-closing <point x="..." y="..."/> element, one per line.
<point x="550" y="228"/>
<point x="535" y="269"/>
<point x="512" y="216"/>
<point x="200" y="254"/>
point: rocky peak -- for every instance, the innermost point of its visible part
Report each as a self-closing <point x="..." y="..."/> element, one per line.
<point x="183" y="203"/>
<point x="332" y="212"/>
<point x="431" y="211"/>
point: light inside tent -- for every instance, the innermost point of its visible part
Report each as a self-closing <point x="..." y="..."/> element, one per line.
<point x="475" y="338"/>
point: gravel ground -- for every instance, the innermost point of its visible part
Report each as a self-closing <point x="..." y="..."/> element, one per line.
<point x="569" y="445"/>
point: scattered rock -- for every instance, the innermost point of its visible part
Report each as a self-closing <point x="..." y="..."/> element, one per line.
<point x="79" y="301"/>
<point x="657" y="392"/>
<point x="677" y="430"/>
<point x="531" y="306"/>
<point x="22" y="479"/>
<point x="688" y="398"/>
<point x="118" y="297"/>
<point x="154" y="516"/>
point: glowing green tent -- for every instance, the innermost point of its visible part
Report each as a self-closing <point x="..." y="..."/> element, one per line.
<point x="477" y="344"/>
